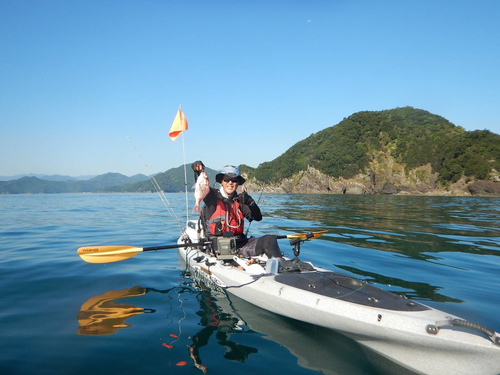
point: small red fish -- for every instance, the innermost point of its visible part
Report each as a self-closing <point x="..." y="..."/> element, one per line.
<point x="167" y="346"/>
<point x="181" y="363"/>
<point x="173" y="335"/>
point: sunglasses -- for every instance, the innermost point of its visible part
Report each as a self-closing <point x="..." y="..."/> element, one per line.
<point x="227" y="179"/>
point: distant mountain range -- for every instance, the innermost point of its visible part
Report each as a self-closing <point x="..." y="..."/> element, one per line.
<point x="169" y="181"/>
<point x="402" y="150"/>
<point x="55" y="177"/>
<point x="61" y="184"/>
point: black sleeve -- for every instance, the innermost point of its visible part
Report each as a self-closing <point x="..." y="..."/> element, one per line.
<point x="250" y="210"/>
<point x="211" y="197"/>
<point x="210" y="201"/>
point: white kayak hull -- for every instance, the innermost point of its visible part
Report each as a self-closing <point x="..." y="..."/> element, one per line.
<point x="400" y="336"/>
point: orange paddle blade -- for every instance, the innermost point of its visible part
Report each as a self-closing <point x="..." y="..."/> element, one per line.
<point x="304" y="235"/>
<point x="107" y="254"/>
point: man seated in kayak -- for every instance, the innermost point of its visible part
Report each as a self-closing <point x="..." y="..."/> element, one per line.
<point x="225" y="211"/>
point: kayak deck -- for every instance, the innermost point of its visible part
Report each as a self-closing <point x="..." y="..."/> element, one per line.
<point x="350" y="289"/>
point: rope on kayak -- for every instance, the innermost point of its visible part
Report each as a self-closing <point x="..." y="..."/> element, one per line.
<point x="257" y="278"/>
<point x="363" y="284"/>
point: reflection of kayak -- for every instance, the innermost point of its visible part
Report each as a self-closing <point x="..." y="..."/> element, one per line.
<point x="408" y="333"/>
<point x="317" y="349"/>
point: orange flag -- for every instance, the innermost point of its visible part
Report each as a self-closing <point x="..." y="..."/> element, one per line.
<point x="178" y="126"/>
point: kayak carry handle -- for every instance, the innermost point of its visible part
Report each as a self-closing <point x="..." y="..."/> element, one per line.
<point x="433" y="329"/>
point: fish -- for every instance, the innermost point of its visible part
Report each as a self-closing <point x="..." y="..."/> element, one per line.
<point x="201" y="189"/>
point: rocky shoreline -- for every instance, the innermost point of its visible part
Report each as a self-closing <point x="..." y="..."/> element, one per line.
<point x="420" y="181"/>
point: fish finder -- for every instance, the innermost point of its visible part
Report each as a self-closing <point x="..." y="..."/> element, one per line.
<point x="224" y="248"/>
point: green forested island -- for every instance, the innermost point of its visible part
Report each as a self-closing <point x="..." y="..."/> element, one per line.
<point x="402" y="150"/>
<point x="413" y="137"/>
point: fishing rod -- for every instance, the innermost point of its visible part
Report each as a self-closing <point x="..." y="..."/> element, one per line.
<point x="258" y="201"/>
<point x="160" y="192"/>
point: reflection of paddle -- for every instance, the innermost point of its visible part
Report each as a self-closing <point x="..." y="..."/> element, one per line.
<point x="108" y="254"/>
<point x="101" y="316"/>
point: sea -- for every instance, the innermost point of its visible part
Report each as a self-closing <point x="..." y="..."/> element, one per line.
<point x="146" y="314"/>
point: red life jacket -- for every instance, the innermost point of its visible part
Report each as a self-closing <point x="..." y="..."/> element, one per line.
<point x="227" y="217"/>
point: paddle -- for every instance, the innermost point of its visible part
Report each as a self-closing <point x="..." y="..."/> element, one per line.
<point x="108" y="254"/>
<point x="305" y="236"/>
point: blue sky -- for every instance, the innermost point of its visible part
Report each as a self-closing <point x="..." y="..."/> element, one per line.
<point x="252" y="77"/>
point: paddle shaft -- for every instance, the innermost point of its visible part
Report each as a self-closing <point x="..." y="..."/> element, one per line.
<point x="155" y="248"/>
<point x="108" y="254"/>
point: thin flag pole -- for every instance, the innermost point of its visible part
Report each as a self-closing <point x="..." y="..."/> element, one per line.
<point x="185" y="177"/>
<point x="179" y="126"/>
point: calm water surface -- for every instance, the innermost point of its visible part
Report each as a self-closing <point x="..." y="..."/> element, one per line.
<point x="60" y="315"/>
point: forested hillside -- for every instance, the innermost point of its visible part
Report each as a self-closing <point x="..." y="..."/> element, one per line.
<point x="413" y="137"/>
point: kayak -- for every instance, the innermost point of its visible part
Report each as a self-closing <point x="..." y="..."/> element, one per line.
<point x="410" y="334"/>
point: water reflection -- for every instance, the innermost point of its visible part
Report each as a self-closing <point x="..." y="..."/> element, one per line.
<point x="222" y="323"/>
<point x="227" y="318"/>
<point x="316" y="348"/>
<point x="414" y="226"/>
<point x="101" y="315"/>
